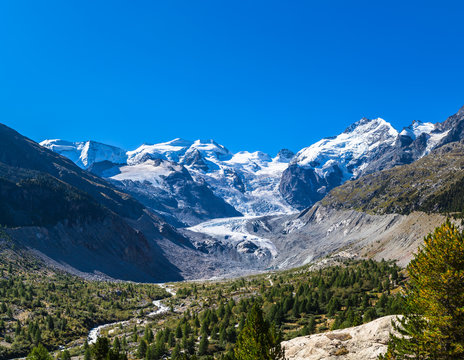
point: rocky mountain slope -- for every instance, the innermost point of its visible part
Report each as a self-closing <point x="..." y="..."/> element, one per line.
<point x="433" y="184"/>
<point x="365" y="342"/>
<point x="280" y="242"/>
<point x="75" y="218"/>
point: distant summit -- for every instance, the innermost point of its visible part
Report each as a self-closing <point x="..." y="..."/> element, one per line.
<point x="86" y="153"/>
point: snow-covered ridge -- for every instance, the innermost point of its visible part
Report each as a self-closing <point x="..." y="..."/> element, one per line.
<point x="433" y="135"/>
<point x="348" y="150"/>
<point x="86" y="153"/>
<point x="249" y="181"/>
<point x="175" y="150"/>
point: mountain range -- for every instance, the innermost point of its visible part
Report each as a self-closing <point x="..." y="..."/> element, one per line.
<point x="193" y="209"/>
<point x="175" y="178"/>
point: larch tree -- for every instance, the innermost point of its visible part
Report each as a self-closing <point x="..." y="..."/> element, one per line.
<point x="433" y="324"/>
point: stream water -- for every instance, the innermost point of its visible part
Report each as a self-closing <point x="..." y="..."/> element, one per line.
<point x="161" y="309"/>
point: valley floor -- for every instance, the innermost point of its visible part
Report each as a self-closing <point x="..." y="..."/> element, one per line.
<point x="59" y="310"/>
<point x="336" y="288"/>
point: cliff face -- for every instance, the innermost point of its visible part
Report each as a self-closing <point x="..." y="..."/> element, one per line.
<point x="364" y="342"/>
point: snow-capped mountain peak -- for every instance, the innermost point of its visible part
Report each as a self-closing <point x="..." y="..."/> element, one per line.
<point x="417" y="128"/>
<point x="210" y="150"/>
<point x="179" y="142"/>
<point x="86" y="153"/>
<point x="317" y="169"/>
<point x="254" y="183"/>
<point x="348" y="148"/>
<point x="170" y="150"/>
<point x="175" y="150"/>
<point x="365" y="125"/>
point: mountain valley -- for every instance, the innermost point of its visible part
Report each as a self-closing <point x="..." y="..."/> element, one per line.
<point x="361" y="191"/>
<point x="318" y="239"/>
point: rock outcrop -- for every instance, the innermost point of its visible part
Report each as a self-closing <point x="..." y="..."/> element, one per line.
<point x="364" y="342"/>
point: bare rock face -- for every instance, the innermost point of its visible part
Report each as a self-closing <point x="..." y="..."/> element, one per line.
<point x="302" y="187"/>
<point x="364" y="342"/>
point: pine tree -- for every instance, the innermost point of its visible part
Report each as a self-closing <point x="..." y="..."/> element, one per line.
<point x="87" y="354"/>
<point x="39" y="353"/>
<point x="203" y="347"/>
<point x="433" y="325"/>
<point x="178" y="331"/>
<point x="258" y="340"/>
<point x="171" y="340"/>
<point x="116" y="345"/>
<point x="176" y="352"/>
<point x="310" y="327"/>
<point x="148" y="335"/>
<point x="142" y="349"/>
<point x="191" y="345"/>
<point x="65" y="355"/>
<point x="100" y="348"/>
<point x="135" y="335"/>
<point x="369" y="315"/>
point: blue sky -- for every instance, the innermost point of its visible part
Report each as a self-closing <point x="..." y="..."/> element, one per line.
<point x="254" y="75"/>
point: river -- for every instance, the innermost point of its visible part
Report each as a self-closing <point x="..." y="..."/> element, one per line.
<point x="161" y="309"/>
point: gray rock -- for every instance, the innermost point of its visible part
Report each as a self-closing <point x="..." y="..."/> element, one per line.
<point x="364" y="342"/>
<point x="301" y="187"/>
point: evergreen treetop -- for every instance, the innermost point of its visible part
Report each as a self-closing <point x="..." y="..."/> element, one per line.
<point x="433" y="325"/>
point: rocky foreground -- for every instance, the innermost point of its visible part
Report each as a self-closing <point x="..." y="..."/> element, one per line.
<point x="362" y="342"/>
